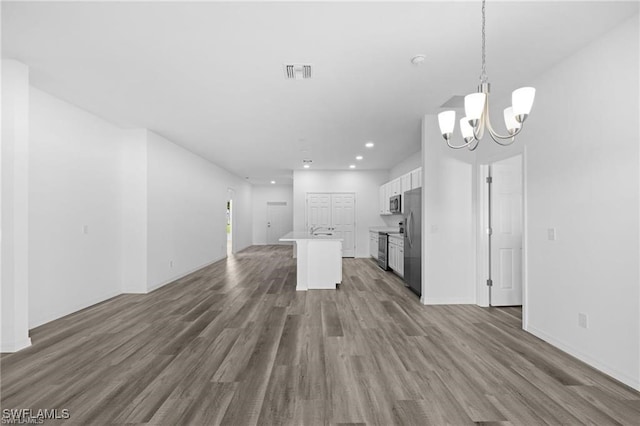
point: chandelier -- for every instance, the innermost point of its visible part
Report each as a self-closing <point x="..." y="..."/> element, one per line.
<point x="476" y="108"/>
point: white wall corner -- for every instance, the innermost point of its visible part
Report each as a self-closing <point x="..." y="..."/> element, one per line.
<point x="14" y="250"/>
<point x="134" y="211"/>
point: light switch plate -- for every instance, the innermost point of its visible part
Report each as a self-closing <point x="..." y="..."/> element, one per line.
<point x="583" y="320"/>
<point x="552" y="234"/>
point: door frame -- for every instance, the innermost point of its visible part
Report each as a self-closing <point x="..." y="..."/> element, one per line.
<point x="482" y="268"/>
<point x="230" y="196"/>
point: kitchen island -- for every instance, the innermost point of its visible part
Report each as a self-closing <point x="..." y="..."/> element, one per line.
<point x="319" y="260"/>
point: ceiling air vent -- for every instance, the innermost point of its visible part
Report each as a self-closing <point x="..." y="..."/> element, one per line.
<point x="297" y="71"/>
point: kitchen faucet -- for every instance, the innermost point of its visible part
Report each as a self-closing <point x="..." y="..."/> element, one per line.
<point x="315" y="228"/>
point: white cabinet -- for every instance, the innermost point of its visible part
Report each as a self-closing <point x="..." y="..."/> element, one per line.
<point x="399" y="186"/>
<point x="373" y="244"/>
<point x="396" y="254"/>
<point x="382" y="198"/>
<point x="405" y="185"/>
<point x="400" y="270"/>
<point x="395" y="187"/>
<point x="416" y="178"/>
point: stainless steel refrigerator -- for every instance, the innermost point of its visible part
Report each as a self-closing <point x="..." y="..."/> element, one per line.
<point x="413" y="240"/>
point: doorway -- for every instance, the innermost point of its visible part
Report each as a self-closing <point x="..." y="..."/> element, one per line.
<point x="229" y="227"/>
<point x="277" y="224"/>
<point x="502" y="216"/>
<point x="230" y="223"/>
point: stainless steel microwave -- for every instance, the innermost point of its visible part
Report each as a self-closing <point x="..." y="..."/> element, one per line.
<point x="394" y="204"/>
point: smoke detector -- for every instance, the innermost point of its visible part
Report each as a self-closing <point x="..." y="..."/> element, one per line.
<point x="297" y="71"/>
<point x="418" y="59"/>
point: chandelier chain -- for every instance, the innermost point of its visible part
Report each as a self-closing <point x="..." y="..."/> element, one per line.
<point x="483" y="75"/>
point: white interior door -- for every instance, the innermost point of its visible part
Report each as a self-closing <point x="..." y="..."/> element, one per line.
<point x="344" y="221"/>
<point x="336" y="212"/>
<point x="276" y="221"/>
<point x="506" y="224"/>
<point x="318" y="210"/>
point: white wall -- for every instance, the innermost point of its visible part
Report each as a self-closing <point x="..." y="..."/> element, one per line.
<point x="365" y="184"/>
<point x="448" y="220"/>
<point x="74" y="182"/>
<point x="267" y="193"/>
<point x="14" y="291"/>
<point x="187" y="198"/>
<point x="90" y="210"/>
<point x="582" y="171"/>
<point x="134" y="211"/>
<point x="582" y="176"/>
<point x="405" y="166"/>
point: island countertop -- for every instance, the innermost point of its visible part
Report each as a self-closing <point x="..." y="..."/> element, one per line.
<point x="302" y="235"/>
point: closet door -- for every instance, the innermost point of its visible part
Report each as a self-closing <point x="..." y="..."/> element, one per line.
<point x="318" y="211"/>
<point x="334" y="212"/>
<point x="343" y="214"/>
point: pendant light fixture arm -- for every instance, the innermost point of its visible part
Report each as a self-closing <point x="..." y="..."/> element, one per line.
<point x="498" y="138"/>
<point x="464" y="145"/>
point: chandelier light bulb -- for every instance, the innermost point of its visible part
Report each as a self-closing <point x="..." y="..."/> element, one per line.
<point x="522" y="100"/>
<point x="466" y="129"/>
<point x="510" y="120"/>
<point x="473" y="107"/>
<point x="447" y="121"/>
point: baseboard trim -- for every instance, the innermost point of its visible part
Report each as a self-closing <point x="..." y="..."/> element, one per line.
<point x="184" y="274"/>
<point x="10" y="347"/>
<point x="634" y="382"/>
<point x="446" y="301"/>
<point x="37" y="322"/>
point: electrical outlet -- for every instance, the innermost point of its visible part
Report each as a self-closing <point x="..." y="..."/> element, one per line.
<point x="171" y="264"/>
<point x="583" y="320"/>
<point x="552" y="234"/>
<point x="85" y="229"/>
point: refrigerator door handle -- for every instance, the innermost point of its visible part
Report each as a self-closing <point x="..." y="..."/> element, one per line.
<point x="409" y="229"/>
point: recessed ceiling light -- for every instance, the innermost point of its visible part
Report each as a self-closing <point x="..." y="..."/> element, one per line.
<point x="352" y="166"/>
<point x="306" y="166"/>
<point x="418" y="59"/>
<point x="369" y="144"/>
<point x="273" y="182"/>
<point x="359" y="157"/>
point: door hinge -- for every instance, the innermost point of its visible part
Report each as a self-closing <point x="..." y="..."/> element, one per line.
<point x="489" y="231"/>
<point x="489" y="179"/>
<point x="489" y="283"/>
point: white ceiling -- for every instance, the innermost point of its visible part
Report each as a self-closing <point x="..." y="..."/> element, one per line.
<point x="209" y="76"/>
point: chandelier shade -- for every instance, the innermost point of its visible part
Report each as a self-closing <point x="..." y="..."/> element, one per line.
<point x="522" y="101"/>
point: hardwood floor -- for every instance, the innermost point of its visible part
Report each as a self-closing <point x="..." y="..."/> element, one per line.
<point x="235" y="344"/>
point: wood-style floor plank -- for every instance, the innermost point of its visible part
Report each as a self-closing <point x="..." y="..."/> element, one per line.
<point x="235" y="344"/>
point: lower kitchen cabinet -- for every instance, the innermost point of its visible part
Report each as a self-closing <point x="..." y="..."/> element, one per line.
<point x="373" y="244"/>
<point x="396" y="254"/>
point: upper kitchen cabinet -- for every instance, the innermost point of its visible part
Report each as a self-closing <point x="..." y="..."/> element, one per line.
<point x="396" y="187"/>
<point x="416" y="178"/>
<point x="405" y="181"/>
<point x="384" y="199"/>
<point x="399" y="186"/>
